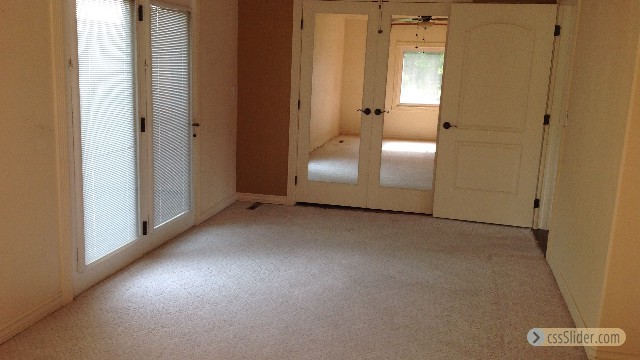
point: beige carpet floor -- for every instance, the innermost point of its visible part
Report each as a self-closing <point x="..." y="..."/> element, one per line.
<point x="284" y="282"/>
<point x="404" y="164"/>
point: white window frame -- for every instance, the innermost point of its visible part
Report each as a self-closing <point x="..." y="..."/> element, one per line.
<point x="401" y="48"/>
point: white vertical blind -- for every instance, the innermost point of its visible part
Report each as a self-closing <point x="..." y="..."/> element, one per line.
<point x="171" y="93"/>
<point x="107" y="125"/>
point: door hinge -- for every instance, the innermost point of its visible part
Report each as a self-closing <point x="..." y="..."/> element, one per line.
<point x="145" y="228"/>
<point x="557" y="31"/>
<point x="140" y="13"/>
<point x="295" y="180"/>
<point x="143" y="124"/>
<point x="547" y="119"/>
<point x="536" y="203"/>
<point x="301" y="23"/>
<point x="298" y="104"/>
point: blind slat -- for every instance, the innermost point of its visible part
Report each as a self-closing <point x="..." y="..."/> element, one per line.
<point x="170" y="67"/>
<point x="107" y="127"/>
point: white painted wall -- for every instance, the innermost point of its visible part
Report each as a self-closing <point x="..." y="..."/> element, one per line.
<point x="593" y="244"/>
<point x="30" y="272"/>
<point x="326" y="97"/>
<point x="621" y="298"/>
<point x="34" y="256"/>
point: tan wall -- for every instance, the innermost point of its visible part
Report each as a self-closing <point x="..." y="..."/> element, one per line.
<point x="29" y="249"/>
<point x="328" y="63"/>
<point x="589" y="172"/>
<point x="217" y="103"/>
<point x="353" y="76"/>
<point x="621" y="302"/>
<point x="264" y="84"/>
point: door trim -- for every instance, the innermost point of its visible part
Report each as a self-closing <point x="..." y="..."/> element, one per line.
<point x="557" y="107"/>
<point x="294" y="117"/>
<point x="64" y="151"/>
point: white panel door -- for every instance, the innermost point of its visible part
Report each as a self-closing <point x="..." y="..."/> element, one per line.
<point x="494" y="100"/>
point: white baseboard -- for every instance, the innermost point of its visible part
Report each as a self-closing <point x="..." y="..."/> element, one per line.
<point x="219" y="206"/>
<point x="265" y="199"/>
<point x="31" y="317"/>
<point x="593" y="353"/>
<point x="568" y="299"/>
<point x="564" y="289"/>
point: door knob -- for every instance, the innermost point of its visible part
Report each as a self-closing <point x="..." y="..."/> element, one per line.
<point x="366" y="111"/>
<point x="447" y="125"/>
<point x="379" y="112"/>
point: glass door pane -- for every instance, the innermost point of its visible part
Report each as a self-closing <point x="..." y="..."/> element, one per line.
<point x="339" y="55"/>
<point x="414" y="85"/>
<point x="171" y="93"/>
<point x="107" y="125"/>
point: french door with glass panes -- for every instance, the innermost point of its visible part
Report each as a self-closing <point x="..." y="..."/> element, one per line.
<point x="131" y="66"/>
<point x="367" y="129"/>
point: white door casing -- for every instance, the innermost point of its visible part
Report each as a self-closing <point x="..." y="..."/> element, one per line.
<point x="494" y="96"/>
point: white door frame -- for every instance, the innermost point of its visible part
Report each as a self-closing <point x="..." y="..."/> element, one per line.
<point x="557" y="107"/>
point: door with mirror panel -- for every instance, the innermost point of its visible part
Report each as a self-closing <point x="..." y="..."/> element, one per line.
<point x="342" y="156"/>
<point x="337" y="72"/>
<point x="410" y="72"/>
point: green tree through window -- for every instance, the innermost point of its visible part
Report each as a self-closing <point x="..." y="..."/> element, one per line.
<point x="421" y="82"/>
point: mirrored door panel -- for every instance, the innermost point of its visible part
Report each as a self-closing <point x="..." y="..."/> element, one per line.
<point x="370" y="85"/>
<point x="412" y="101"/>
<point x="336" y="100"/>
<point x="336" y="97"/>
<point x="410" y="71"/>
